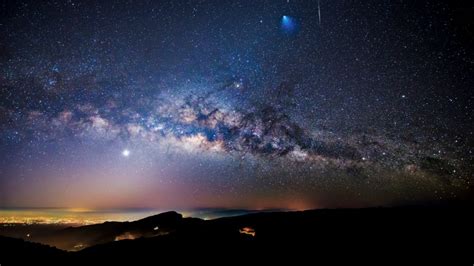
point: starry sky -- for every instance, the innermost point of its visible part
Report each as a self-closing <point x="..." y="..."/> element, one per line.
<point x="235" y="104"/>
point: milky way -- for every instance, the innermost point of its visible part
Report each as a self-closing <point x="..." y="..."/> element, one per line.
<point x="176" y="104"/>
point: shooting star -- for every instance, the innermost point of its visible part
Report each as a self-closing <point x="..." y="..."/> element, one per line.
<point x="319" y="13"/>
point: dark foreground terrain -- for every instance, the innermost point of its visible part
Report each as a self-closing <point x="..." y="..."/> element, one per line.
<point x="425" y="232"/>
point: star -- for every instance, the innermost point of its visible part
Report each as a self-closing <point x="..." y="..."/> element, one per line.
<point x="274" y="101"/>
<point x="125" y="153"/>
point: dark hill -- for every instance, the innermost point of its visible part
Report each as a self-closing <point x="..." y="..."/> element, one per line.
<point x="413" y="231"/>
<point x="77" y="238"/>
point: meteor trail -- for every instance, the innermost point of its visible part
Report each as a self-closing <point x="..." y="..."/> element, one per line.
<point x="319" y="14"/>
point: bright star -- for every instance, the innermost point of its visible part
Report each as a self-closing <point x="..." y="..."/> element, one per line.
<point x="125" y="153"/>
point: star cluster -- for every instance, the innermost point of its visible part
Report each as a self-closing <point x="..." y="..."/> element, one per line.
<point x="249" y="104"/>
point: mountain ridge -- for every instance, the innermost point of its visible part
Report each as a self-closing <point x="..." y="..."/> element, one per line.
<point x="418" y="229"/>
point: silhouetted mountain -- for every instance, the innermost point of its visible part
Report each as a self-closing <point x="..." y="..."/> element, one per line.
<point x="13" y="251"/>
<point x="421" y="231"/>
<point x="77" y="238"/>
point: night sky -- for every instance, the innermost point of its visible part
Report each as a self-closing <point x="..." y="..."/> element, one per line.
<point x="235" y="104"/>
